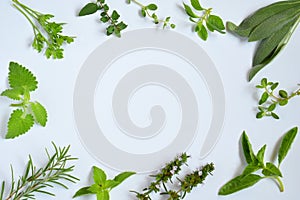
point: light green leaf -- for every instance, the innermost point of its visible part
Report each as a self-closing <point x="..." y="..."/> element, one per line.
<point x="202" y="32"/>
<point x="18" y="124"/>
<point x="15" y="93"/>
<point x="103" y="195"/>
<point x="99" y="175"/>
<point x="252" y="167"/>
<point x="189" y="11"/>
<point x="286" y="144"/>
<point x="264" y="97"/>
<point x="239" y="183"/>
<point x="196" y="5"/>
<point x="39" y="113"/>
<point x="20" y="77"/>
<point x="216" y="23"/>
<point x="152" y="6"/>
<point x="247" y="149"/>
<point x="271" y="170"/>
<point x="122" y="176"/>
<point x="261" y="154"/>
<point x="88" y="9"/>
<point x="82" y="191"/>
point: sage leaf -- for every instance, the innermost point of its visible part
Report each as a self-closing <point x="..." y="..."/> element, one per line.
<point x="247" y="149"/>
<point x="88" y="9"/>
<point x="286" y="144"/>
<point x="239" y="183"/>
<point x="271" y="170"/>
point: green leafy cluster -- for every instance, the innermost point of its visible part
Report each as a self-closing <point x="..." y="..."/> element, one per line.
<point x="272" y="26"/>
<point x="203" y="22"/>
<point x="184" y="185"/>
<point x="269" y="101"/>
<point x="102" y="186"/>
<point x="22" y="82"/>
<point x="114" y="25"/>
<point x="146" y="11"/>
<point x="36" y="180"/>
<point x="250" y="175"/>
<point x="47" y="34"/>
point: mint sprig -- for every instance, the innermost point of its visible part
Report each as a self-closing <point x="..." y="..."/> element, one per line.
<point x="102" y="186"/>
<point x="203" y="21"/>
<point x="47" y="34"/>
<point x="257" y="169"/>
<point x="114" y="26"/>
<point x="22" y="82"/>
<point x="270" y="99"/>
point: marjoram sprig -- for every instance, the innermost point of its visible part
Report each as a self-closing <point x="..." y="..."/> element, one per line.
<point x="269" y="100"/>
<point x="37" y="180"/>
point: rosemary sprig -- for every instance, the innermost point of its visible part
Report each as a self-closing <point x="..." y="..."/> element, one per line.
<point x="37" y="180"/>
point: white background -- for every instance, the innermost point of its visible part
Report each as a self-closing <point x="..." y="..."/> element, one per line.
<point x="232" y="58"/>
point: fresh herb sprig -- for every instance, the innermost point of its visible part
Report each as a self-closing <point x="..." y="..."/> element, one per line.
<point x="114" y="27"/>
<point x="272" y="26"/>
<point x="269" y="100"/>
<point x="47" y="34"/>
<point x="22" y="82"/>
<point x="250" y="175"/>
<point x="149" y="11"/>
<point x="166" y="177"/>
<point x="102" y="186"/>
<point x="203" y="22"/>
<point x="37" y="180"/>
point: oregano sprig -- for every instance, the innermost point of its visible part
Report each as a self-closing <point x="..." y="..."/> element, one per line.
<point x="204" y="21"/>
<point x="47" y="34"/>
<point x="257" y="169"/>
<point x="22" y="82"/>
<point x="149" y="11"/>
<point x="37" y="180"/>
<point x="114" y="27"/>
<point x="272" y="26"/>
<point x="165" y="185"/>
<point x="102" y="186"/>
<point x="269" y="100"/>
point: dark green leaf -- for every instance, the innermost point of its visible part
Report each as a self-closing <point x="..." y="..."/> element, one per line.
<point x="260" y="115"/>
<point x="152" y="6"/>
<point x="283" y="102"/>
<point x="115" y="15"/>
<point x="104" y="19"/>
<point x="261" y="154"/>
<point x="264" y="97"/>
<point x="189" y="11"/>
<point x="196" y="5"/>
<point x="272" y="107"/>
<point x="82" y="191"/>
<point x="251" y="168"/>
<point x="286" y="144"/>
<point x="88" y="9"/>
<point x="110" y="30"/>
<point x="216" y="23"/>
<point x="99" y="175"/>
<point x="274" y="86"/>
<point x="121" y="26"/>
<point x="271" y="170"/>
<point x="202" y="32"/>
<point x="247" y="149"/>
<point x="143" y="12"/>
<point x="239" y="183"/>
<point x="274" y="115"/>
<point x="283" y="94"/>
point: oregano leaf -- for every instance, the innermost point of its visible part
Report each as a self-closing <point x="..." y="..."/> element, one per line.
<point x="39" y="113"/>
<point x="286" y="144"/>
<point x="196" y="5"/>
<point x="189" y="11"/>
<point x="18" y="124"/>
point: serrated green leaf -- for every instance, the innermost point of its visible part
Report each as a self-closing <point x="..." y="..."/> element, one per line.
<point x="196" y="5"/>
<point x="39" y="113"/>
<point x="99" y="175"/>
<point x="19" y="123"/>
<point x="286" y="144"/>
<point x="152" y="6"/>
<point x="189" y="11"/>
<point x="247" y="149"/>
<point x="271" y="170"/>
<point x="15" y="93"/>
<point x="239" y="183"/>
<point x="20" y="77"/>
<point x="216" y="23"/>
<point x="83" y="191"/>
<point x="88" y="9"/>
<point x="264" y="97"/>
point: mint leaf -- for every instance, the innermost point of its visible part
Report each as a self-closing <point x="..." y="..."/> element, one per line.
<point x="20" y="77"/>
<point x="18" y="124"/>
<point x="39" y="113"/>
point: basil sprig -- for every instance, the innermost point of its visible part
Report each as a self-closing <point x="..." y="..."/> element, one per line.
<point x="272" y="26"/>
<point x="250" y="175"/>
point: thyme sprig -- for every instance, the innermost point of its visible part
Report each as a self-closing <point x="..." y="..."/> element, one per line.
<point x="168" y="175"/>
<point x="37" y="180"/>
<point x="149" y="11"/>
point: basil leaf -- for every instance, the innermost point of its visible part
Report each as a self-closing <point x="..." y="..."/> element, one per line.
<point x="82" y="191"/>
<point x="99" y="176"/>
<point x="286" y="144"/>
<point x="215" y="23"/>
<point x="88" y="9"/>
<point x="239" y="183"/>
<point x="247" y="149"/>
<point x="271" y="170"/>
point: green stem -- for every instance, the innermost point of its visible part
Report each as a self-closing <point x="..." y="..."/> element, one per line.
<point x="280" y="183"/>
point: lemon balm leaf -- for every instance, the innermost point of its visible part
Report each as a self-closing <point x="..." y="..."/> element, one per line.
<point x="20" y="77"/>
<point x="18" y="124"/>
